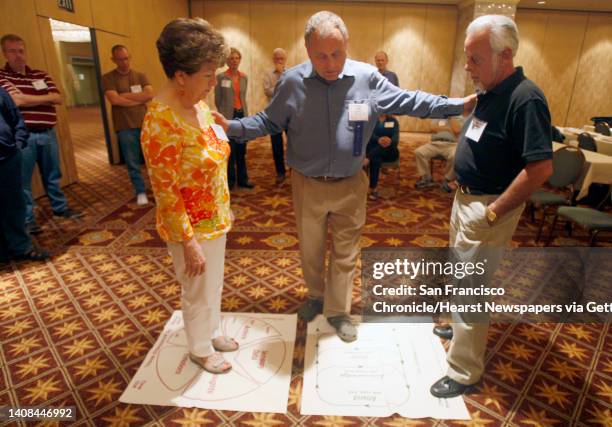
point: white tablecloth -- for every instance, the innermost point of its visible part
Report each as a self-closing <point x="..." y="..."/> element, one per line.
<point x="602" y="142"/>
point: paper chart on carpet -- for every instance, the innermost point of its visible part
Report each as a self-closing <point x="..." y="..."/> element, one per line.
<point x="258" y="382"/>
<point x="388" y="370"/>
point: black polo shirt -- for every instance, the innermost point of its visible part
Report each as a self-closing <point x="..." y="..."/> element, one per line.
<point x="517" y="132"/>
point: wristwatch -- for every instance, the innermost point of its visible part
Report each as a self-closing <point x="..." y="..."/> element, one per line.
<point x="491" y="216"/>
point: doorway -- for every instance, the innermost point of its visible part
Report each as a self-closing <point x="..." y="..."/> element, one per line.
<point x="78" y="68"/>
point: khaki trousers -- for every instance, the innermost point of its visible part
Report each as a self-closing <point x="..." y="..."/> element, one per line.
<point x="473" y="238"/>
<point x="426" y="152"/>
<point x="341" y="206"/>
<point x="201" y="295"/>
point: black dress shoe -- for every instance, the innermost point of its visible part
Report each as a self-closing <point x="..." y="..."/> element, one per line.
<point x="446" y="388"/>
<point x="33" y="228"/>
<point x="34" y="254"/>
<point x="445" y="332"/>
<point x="246" y="185"/>
<point x="68" y="213"/>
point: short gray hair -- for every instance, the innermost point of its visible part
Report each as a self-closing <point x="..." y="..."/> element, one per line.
<point x="503" y="32"/>
<point x="324" y="23"/>
<point x="279" y="50"/>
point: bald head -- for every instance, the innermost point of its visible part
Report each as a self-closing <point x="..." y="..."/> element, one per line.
<point x="381" y="60"/>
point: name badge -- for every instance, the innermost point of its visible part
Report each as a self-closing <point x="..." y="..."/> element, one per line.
<point x="219" y="132"/>
<point x="476" y="129"/>
<point x="135" y="88"/>
<point x="226" y="83"/>
<point x="441" y="123"/>
<point x="389" y="125"/>
<point x="39" y="84"/>
<point x="358" y="112"/>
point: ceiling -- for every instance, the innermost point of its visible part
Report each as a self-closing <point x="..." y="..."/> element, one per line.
<point x="586" y="5"/>
<point x="591" y="5"/>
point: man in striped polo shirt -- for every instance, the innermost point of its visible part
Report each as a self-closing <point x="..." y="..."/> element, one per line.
<point x="36" y="95"/>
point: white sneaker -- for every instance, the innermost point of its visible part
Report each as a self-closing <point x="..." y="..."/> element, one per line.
<point x="141" y="199"/>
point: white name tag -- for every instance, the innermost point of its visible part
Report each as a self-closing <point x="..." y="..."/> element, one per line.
<point x="389" y="124"/>
<point x="135" y="88"/>
<point x="39" y="84"/>
<point x="226" y="83"/>
<point x="441" y="123"/>
<point x="476" y="129"/>
<point x="219" y="132"/>
<point x="358" y="112"/>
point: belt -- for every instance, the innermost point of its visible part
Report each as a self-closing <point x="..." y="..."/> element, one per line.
<point x="39" y="130"/>
<point x="328" y="178"/>
<point x="464" y="189"/>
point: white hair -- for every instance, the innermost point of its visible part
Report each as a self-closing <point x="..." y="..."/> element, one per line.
<point x="325" y="23"/>
<point x="279" y="50"/>
<point x="503" y="32"/>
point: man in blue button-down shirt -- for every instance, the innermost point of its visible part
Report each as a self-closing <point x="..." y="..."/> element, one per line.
<point x="329" y="106"/>
<point x="15" y="242"/>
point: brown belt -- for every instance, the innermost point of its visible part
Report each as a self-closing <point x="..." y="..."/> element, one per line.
<point x="328" y="178"/>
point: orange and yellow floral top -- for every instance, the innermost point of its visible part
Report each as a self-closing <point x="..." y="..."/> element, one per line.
<point x="188" y="171"/>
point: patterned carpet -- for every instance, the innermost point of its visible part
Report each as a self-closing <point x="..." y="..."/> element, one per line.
<point x="74" y="330"/>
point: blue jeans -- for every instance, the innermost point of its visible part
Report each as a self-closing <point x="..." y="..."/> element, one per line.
<point x="129" y="143"/>
<point x="14" y="239"/>
<point x="42" y="149"/>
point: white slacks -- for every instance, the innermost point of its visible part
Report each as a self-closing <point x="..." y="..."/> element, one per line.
<point x="201" y="295"/>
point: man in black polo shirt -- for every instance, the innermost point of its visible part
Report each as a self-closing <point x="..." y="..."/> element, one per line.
<point x="504" y="154"/>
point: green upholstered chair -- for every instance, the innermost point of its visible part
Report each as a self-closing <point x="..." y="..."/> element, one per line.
<point x="602" y="128"/>
<point x="587" y="142"/>
<point x="567" y="168"/>
<point x="592" y="220"/>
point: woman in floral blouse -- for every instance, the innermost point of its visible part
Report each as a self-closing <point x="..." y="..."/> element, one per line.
<point x="187" y="163"/>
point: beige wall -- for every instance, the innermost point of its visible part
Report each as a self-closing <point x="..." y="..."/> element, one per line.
<point x="565" y="53"/>
<point x="568" y="55"/>
<point x="419" y="39"/>
<point x="461" y="85"/>
<point x="136" y="23"/>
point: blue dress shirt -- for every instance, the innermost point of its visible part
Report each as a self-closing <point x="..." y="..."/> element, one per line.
<point x="13" y="132"/>
<point x="315" y="115"/>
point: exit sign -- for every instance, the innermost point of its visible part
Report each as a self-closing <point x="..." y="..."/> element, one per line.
<point x="66" y="5"/>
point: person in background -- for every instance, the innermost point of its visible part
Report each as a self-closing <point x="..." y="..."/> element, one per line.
<point x="187" y="162"/>
<point x="381" y="60"/>
<point x="36" y="95"/>
<point x="279" y="57"/>
<point x="128" y="91"/>
<point x="15" y="242"/>
<point x="230" y="100"/>
<point x="443" y="143"/>
<point x="382" y="147"/>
